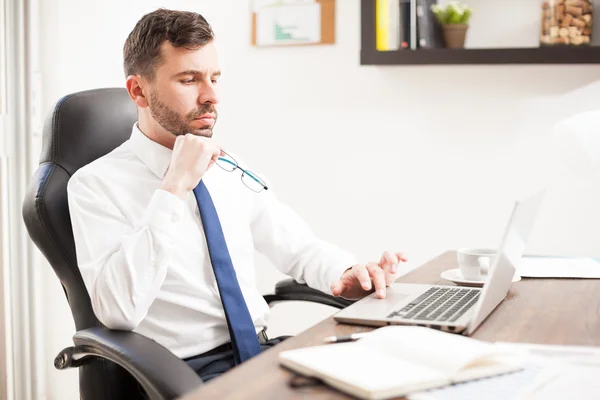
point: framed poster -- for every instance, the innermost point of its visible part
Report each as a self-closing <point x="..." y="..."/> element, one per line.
<point x="293" y="22"/>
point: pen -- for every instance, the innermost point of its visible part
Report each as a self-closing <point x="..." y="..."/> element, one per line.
<point x="342" y="339"/>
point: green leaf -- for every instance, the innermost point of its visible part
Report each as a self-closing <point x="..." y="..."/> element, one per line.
<point x="438" y="13"/>
<point x="466" y="16"/>
<point x="454" y="13"/>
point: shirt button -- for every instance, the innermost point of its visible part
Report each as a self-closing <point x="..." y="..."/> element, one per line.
<point x="174" y="218"/>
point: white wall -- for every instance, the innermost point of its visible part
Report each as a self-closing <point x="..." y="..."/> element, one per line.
<point x="420" y="159"/>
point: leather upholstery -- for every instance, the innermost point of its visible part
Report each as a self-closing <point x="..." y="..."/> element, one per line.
<point x="162" y="374"/>
<point x="80" y="128"/>
<point x="290" y="290"/>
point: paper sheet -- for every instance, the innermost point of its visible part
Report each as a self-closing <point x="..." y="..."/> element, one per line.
<point x="556" y="267"/>
<point x="564" y="382"/>
<point x="571" y="372"/>
<point x="540" y="353"/>
<point x="503" y="387"/>
<point x="288" y="24"/>
<point x="552" y="372"/>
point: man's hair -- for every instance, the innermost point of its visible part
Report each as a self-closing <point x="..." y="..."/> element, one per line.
<point x="141" y="53"/>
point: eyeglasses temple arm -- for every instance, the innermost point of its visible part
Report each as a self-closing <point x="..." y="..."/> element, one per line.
<point x="246" y="172"/>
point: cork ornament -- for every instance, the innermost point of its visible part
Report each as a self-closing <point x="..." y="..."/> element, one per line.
<point x="566" y="22"/>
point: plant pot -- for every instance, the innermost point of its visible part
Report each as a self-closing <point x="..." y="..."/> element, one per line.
<point x="455" y="35"/>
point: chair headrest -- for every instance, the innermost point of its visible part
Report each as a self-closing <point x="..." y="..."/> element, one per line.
<point x="86" y="125"/>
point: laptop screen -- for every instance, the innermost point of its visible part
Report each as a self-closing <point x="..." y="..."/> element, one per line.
<point x="510" y="251"/>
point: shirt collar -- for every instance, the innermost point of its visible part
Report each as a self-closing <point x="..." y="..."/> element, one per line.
<point x="155" y="156"/>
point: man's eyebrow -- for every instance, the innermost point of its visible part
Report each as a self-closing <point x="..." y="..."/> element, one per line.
<point x="195" y="72"/>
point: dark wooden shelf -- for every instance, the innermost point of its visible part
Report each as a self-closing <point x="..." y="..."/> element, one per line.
<point x="534" y="55"/>
<point x="527" y="55"/>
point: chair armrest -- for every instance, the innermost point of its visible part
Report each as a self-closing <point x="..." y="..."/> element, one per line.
<point x="162" y="374"/>
<point x="289" y="289"/>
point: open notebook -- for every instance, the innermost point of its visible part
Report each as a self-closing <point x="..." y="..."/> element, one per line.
<point x="397" y="360"/>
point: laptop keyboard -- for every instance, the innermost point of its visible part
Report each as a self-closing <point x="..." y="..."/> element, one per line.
<point x="439" y="304"/>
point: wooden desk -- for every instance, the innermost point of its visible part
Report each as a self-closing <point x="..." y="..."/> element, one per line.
<point x="548" y="311"/>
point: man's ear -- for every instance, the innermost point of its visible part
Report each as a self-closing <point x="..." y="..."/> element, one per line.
<point x="135" y="88"/>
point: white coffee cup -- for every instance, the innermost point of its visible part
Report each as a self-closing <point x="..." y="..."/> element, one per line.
<point x="474" y="263"/>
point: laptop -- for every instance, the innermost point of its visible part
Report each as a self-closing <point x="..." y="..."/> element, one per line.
<point x="457" y="309"/>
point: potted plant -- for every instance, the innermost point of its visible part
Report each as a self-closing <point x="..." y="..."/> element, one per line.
<point x="454" y="19"/>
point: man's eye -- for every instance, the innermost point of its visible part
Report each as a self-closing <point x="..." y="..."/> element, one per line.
<point x="188" y="81"/>
<point x="214" y="81"/>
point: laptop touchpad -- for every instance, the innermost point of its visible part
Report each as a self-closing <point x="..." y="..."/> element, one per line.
<point x="390" y="303"/>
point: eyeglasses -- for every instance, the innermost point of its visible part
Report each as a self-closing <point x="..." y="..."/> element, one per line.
<point x="249" y="178"/>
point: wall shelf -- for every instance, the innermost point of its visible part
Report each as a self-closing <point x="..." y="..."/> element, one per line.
<point x="534" y="55"/>
<point x="527" y="55"/>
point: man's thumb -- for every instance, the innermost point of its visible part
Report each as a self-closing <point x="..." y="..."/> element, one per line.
<point x="337" y="288"/>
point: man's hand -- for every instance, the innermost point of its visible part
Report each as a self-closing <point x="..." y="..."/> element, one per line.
<point x="361" y="279"/>
<point x="192" y="157"/>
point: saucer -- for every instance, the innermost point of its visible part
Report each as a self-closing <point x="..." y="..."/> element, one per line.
<point x="454" y="275"/>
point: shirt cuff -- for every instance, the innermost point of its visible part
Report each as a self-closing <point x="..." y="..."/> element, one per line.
<point x="163" y="210"/>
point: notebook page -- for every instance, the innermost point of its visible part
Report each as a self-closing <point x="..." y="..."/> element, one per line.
<point x="446" y="352"/>
<point x="359" y="367"/>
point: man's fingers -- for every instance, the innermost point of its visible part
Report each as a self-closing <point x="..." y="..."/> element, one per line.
<point x="337" y="288"/>
<point x="376" y="273"/>
<point x="361" y="273"/>
<point x="401" y="257"/>
<point x="389" y="258"/>
<point x="389" y="262"/>
<point x="389" y="277"/>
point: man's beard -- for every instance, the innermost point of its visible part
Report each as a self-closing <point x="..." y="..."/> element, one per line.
<point x="178" y="125"/>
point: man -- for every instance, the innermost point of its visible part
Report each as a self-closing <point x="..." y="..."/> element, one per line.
<point x="165" y="232"/>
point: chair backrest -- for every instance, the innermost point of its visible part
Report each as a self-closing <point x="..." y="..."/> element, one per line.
<point x="80" y="128"/>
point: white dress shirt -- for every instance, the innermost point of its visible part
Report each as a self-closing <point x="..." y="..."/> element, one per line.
<point x="143" y="254"/>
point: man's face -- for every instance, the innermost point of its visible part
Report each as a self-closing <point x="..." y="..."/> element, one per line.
<point x="183" y="94"/>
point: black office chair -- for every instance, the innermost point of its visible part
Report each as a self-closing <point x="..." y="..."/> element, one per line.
<point x="79" y="129"/>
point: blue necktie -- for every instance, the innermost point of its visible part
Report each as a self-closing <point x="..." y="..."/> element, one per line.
<point x="241" y="328"/>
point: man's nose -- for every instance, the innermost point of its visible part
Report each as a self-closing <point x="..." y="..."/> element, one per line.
<point x="208" y="95"/>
